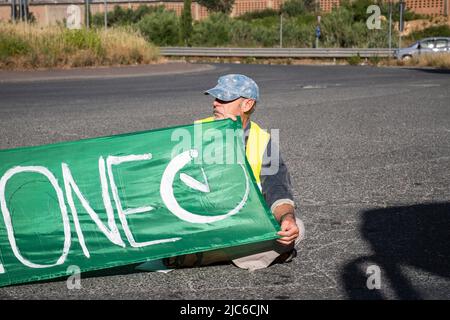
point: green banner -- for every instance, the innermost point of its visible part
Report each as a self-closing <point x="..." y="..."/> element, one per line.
<point x="130" y="198"/>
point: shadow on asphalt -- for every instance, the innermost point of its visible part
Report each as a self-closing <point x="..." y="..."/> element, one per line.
<point x="114" y="271"/>
<point x="429" y="70"/>
<point x="415" y="236"/>
<point x="131" y="268"/>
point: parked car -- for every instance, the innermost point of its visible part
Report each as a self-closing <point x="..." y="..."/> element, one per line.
<point x="427" y="45"/>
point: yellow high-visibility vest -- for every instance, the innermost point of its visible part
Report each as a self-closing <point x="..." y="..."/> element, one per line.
<point x="254" y="150"/>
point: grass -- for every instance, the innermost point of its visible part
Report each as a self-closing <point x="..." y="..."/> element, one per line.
<point x="25" y="46"/>
<point x="436" y="60"/>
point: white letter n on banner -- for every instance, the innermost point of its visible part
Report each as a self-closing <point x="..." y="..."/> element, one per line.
<point x="70" y="185"/>
<point x="113" y="160"/>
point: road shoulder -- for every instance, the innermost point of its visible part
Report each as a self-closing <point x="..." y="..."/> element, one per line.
<point x="172" y="67"/>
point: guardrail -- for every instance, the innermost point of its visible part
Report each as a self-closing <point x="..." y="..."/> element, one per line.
<point x="275" y="52"/>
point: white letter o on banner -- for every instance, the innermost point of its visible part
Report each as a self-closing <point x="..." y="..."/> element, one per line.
<point x="7" y="215"/>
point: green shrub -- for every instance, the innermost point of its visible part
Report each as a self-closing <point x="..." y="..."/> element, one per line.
<point x="354" y="60"/>
<point x="124" y="17"/>
<point x="252" y="15"/>
<point x="82" y="39"/>
<point x="434" y="31"/>
<point x="305" y="19"/>
<point x="379" y="38"/>
<point x="11" y="45"/>
<point x="241" y="34"/>
<point x="293" y="8"/>
<point x="250" y="60"/>
<point x="265" y="32"/>
<point x="297" y="34"/>
<point x="213" y="31"/>
<point x="358" y="8"/>
<point x="375" y="60"/>
<point x="268" y="22"/>
<point x="266" y="37"/>
<point x="120" y="16"/>
<point x="144" y="10"/>
<point x="217" y="6"/>
<point x="160" y="28"/>
<point x="337" y="29"/>
<point x="341" y="29"/>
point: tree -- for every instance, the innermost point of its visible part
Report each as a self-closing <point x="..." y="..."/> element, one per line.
<point x="186" y="23"/>
<point x="224" y="6"/>
<point x="298" y="7"/>
<point x="293" y="7"/>
<point x="311" y="5"/>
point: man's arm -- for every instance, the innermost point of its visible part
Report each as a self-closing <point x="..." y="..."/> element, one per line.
<point x="277" y="191"/>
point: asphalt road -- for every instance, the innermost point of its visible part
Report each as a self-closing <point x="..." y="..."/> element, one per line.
<point x="368" y="150"/>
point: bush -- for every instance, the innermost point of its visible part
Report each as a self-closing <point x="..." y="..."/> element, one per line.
<point x="375" y="60"/>
<point x="341" y="29"/>
<point x="338" y="29"/>
<point x="82" y="39"/>
<point x="266" y="37"/>
<point x="434" y="31"/>
<point x="217" y="6"/>
<point x="144" y="10"/>
<point x="124" y="17"/>
<point x="309" y="19"/>
<point x="354" y="60"/>
<point x="252" y="15"/>
<point x="160" y="28"/>
<point x="241" y="34"/>
<point x="297" y="34"/>
<point x="213" y="31"/>
<point x="293" y="8"/>
<point x="379" y="38"/>
<point x="358" y="8"/>
<point x="11" y="45"/>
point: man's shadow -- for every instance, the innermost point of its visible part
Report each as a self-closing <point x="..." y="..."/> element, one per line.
<point x="415" y="236"/>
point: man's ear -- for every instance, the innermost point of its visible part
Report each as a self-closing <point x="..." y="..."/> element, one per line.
<point x="247" y="105"/>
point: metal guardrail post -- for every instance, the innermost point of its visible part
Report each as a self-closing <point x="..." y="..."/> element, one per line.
<point x="25" y="10"/>
<point x="106" y="14"/>
<point x="20" y="9"/>
<point x="13" y="11"/>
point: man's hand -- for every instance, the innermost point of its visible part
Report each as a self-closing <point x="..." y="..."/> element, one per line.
<point x="289" y="230"/>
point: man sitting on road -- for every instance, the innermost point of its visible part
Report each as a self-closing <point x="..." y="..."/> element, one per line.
<point x="236" y="95"/>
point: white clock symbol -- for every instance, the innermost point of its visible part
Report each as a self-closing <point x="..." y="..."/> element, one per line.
<point x="167" y="195"/>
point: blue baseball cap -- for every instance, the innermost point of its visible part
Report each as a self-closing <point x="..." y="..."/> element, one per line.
<point x="233" y="86"/>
